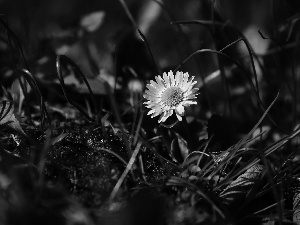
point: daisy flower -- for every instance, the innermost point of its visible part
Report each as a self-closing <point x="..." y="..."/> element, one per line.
<point x="170" y="93"/>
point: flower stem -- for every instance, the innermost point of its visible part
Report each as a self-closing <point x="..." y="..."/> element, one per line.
<point x="187" y="132"/>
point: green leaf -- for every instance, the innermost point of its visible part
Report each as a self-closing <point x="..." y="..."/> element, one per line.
<point x="179" y="148"/>
<point x="242" y="185"/>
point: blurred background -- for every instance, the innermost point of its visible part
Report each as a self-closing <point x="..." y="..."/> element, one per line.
<point x="101" y="39"/>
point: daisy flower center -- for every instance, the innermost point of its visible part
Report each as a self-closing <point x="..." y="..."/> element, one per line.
<point x="172" y="96"/>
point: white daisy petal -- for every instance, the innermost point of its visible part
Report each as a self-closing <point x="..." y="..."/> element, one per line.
<point x="166" y="80"/>
<point x="191" y="86"/>
<point x="151" y="106"/>
<point x="188" y="85"/>
<point x="163" y="117"/>
<point x="185" y="78"/>
<point x="190" y="97"/>
<point x="154" y="100"/>
<point x="188" y="103"/>
<point x="169" y="79"/>
<point x="154" y="84"/>
<point x="156" y="113"/>
<point x="151" y="112"/>
<point x="172" y="79"/>
<point x="191" y="92"/>
<point x="159" y="81"/>
<point x="170" y="93"/>
<point x="152" y="94"/>
<point x="179" y="110"/>
<point x="166" y="115"/>
<point x="178" y="117"/>
<point x="151" y="88"/>
<point x="179" y="78"/>
<point x="149" y="97"/>
<point x="166" y="108"/>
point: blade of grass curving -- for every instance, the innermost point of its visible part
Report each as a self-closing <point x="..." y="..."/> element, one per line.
<point x="248" y="76"/>
<point x="264" y="190"/>
<point x="143" y="37"/>
<point x="169" y="126"/>
<point x="254" y="193"/>
<point x="221" y="68"/>
<point x="187" y="161"/>
<point x="141" y="166"/>
<point x="266" y="208"/>
<point x="124" y="174"/>
<point x="135" y="116"/>
<point x="190" y="47"/>
<point x="79" y="72"/>
<point x="118" y="118"/>
<point x="116" y="66"/>
<point x="5" y="110"/>
<point x="135" y="139"/>
<point x="177" y="181"/>
<point x="128" y="13"/>
<point x="42" y="160"/>
<point x="231" y="44"/>
<point x="32" y="82"/>
<point x="293" y="20"/>
<point x="208" y="167"/>
<point x="242" y="37"/>
<point x="10" y="34"/>
<point x="270" y="52"/>
<point x="275" y="50"/>
<point x="59" y="60"/>
<point x="233" y="168"/>
<point x="238" y="146"/>
<point x="274" y="188"/>
<point x="250" y="55"/>
<point x="294" y="92"/>
<point x="258" y="214"/>
<point x="201" y="22"/>
<point x="250" y="51"/>
<point x="140" y="102"/>
<point x="222" y="71"/>
<point x="277" y="145"/>
<point x="88" y="108"/>
<point x="284" y="141"/>
<point x="241" y="186"/>
<point x="204" y="150"/>
<point x="154" y="151"/>
<point x="12" y="38"/>
<point x="113" y="153"/>
<point x="138" y="128"/>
